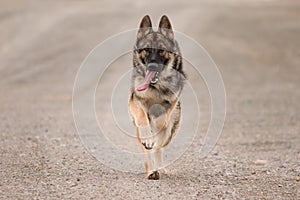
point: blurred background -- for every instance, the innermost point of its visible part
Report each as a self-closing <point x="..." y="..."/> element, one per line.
<point x="255" y="44"/>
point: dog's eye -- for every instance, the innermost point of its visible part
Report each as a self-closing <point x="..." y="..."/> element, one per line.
<point x="161" y="52"/>
<point x="147" y="50"/>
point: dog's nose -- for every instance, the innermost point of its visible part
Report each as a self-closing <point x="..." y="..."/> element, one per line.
<point x="152" y="66"/>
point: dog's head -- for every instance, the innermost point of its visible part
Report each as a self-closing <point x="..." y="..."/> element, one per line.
<point x="155" y="51"/>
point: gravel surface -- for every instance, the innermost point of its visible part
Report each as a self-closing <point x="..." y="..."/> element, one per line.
<point x="254" y="43"/>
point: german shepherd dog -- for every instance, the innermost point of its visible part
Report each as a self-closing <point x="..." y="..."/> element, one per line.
<point x="156" y="85"/>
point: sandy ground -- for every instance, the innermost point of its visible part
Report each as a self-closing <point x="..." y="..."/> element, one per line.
<point x="254" y="43"/>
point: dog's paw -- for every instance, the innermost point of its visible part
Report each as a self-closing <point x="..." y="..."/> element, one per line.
<point x="154" y="176"/>
<point x="148" y="144"/>
<point x="146" y="139"/>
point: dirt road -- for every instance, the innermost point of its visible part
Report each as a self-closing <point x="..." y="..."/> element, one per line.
<point x="256" y="47"/>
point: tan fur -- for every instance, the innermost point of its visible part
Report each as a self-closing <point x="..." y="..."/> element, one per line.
<point x="156" y="110"/>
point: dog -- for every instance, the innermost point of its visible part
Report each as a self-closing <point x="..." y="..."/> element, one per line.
<point x="157" y="82"/>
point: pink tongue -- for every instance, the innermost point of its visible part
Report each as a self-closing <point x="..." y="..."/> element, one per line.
<point x="148" y="77"/>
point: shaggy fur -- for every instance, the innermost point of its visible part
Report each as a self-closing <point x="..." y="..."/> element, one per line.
<point x="156" y="109"/>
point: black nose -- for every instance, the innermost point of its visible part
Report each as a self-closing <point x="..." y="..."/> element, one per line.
<point x="153" y="67"/>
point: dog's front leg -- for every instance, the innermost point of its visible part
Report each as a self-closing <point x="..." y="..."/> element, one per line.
<point x="153" y="163"/>
<point x="141" y="121"/>
<point x="146" y="138"/>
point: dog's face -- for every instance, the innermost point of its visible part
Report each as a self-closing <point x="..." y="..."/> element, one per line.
<point x="155" y="52"/>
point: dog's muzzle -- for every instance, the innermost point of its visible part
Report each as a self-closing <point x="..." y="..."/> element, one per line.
<point x="151" y="76"/>
<point x="154" y="67"/>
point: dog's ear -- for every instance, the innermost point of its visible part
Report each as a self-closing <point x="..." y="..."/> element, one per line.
<point x="145" y="27"/>
<point x="165" y="27"/>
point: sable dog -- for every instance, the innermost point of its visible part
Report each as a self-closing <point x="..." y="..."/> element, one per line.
<point x="157" y="82"/>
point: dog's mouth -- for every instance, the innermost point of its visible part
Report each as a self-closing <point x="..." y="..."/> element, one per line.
<point x="151" y="77"/>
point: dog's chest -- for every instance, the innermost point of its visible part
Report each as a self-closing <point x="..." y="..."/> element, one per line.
<point x="149" y="98"/>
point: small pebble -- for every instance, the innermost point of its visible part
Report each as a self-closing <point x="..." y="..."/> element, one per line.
<point x="260" y="162"/>
<point x="282" y="166"/>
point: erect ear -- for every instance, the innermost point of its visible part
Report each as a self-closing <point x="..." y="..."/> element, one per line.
<point x="145" y="27"/>
<point x="165" y="27"/>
